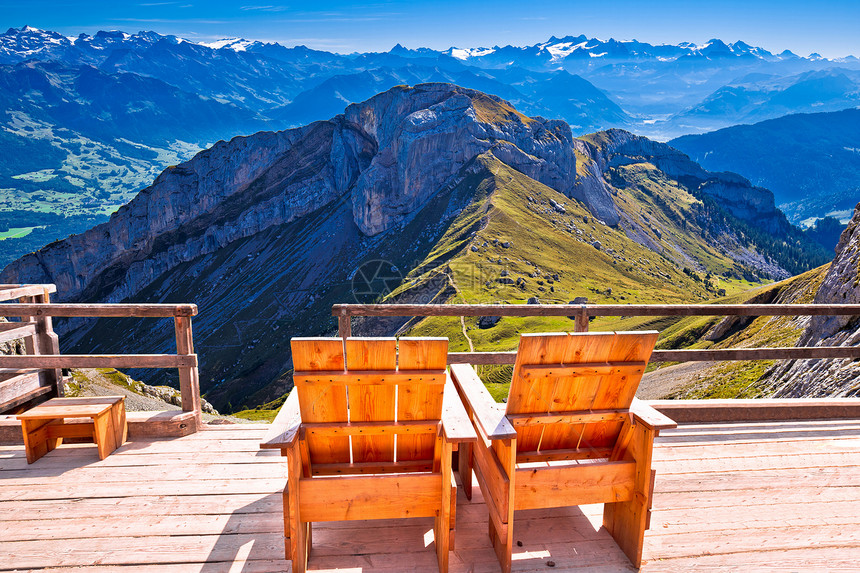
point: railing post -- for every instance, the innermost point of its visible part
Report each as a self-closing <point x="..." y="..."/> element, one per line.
<point x="581" y="324"/>
<point x="44" y="341"/>
<point x="189" y="378"/>
<point x="49" y="343"/>
<point x="344" y="324"/>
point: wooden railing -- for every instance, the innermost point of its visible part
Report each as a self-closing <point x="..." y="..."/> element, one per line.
<point x="25" y="378"/>
<point x="583" y="313"/>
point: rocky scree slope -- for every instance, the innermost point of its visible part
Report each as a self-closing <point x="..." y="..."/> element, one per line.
<point x="835" y="283"/>
<point x="827" y="378"/>
<point x="265" y="232"/>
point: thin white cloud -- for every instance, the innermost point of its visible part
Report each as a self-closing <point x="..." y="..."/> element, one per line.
<point x="169" y="21"/>
<point x="263" y="8"/>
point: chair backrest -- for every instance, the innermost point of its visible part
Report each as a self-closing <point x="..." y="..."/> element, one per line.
<point x="366" y="380"/>
<point x="584" y="381"/>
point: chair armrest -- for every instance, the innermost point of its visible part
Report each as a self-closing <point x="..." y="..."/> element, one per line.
<point x="490" y="417"/>
<point x="455" y="421"/>
<point x="285" y="427"/>
<point x="650" y="417"/>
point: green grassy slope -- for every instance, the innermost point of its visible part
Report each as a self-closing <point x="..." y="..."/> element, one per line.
<point x="547" y="258"/>
<point x="550" y="255"/>
<point x="739" y="379"/>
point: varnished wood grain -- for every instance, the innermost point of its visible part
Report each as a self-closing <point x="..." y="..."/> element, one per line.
<point x="372" y="403"/>
<point x="322" y="403"/>
<point x="419" y="401"/>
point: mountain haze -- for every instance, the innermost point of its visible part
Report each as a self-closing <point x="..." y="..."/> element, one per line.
<point x="810" y="161"/>
<point x="90" y="120"/>
<point x="449" y="191"/>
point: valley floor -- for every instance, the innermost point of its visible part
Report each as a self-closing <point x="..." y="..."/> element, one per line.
<point x="763" y="496"/>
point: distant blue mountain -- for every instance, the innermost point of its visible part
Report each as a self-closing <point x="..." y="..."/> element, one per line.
<point x="549" y="94"/>
<point x="811" y="162"/>
<point x="91" y="119"/>
<point x="758" y="96"/>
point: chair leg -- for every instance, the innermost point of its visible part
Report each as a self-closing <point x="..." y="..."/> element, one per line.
<point x="442" y="526"/>
<point x="464" y="453"/>
<point x="502" y="547"/>
<point x="627" y="521"/>
<point x="287" y="539"/>
<point x="300" y="532"/>
<point x="453" y="506"/>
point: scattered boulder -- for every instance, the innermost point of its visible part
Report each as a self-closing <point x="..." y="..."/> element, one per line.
<point x="505" y="280"/>
<point x="579" y="300"/>
<point x="596" y="245"/>
<point x="504" y="273"/>
<point x="488" y="321"/>
<point x="474" y="249"/>
<point x="506" y="245"/>
<point x="555" y="277"/>
<point x="533" y="300"/>
<point x="559" y="208"/>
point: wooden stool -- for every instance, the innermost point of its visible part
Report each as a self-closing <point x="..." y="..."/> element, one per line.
<point x="45" y="427"/>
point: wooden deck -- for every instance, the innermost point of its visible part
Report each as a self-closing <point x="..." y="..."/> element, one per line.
<point x="764" y="496"/>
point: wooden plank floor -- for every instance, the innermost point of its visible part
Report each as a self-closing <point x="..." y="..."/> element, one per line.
<point x="751" y="497"/>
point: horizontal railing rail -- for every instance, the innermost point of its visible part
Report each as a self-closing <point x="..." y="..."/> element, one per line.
<point x="582" y="313"/>
<point x="114" y="310"/>
<point x="26" y="377"/>
<point x="15" y="291"/>
<point x="26" y="361"/>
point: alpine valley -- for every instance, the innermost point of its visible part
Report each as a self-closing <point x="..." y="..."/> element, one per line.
<point x="90" y="120"/>
<point x="447" y="194"/>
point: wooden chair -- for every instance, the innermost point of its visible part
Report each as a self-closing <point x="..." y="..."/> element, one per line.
<point x="368" y="433"/>
<point x="572" y="433"/>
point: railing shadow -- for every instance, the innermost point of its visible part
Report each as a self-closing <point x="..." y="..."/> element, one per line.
<point x="251" y="539"/>
<point x="564" y="539"/>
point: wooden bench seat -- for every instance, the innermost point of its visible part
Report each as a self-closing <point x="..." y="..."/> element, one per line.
<point x="44" y="426"/>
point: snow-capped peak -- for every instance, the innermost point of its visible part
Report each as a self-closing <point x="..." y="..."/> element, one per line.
<point x="465" y="54"/>
<point x="235" y="44"/>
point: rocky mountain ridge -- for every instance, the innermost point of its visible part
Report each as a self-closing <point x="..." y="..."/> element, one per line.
<point x="392" y="153"/>
<point x="92" y="119"/>
<point x="265" y="232"/>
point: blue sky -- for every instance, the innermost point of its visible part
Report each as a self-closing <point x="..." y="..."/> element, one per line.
<point x="827" y="27"/>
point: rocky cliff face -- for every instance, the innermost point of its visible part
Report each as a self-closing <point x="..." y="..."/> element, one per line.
<point x="392" y="152"/>
<point x="828" y="378"/>
<point x="424" y="136"/>
<point x="266" y="232"/>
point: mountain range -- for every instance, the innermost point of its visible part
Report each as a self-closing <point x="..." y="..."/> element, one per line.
<point x="447" y="193"/>
<point x="811" y="162"/>
<point x="91" y="120"/>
